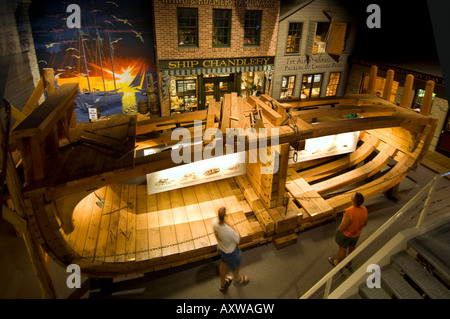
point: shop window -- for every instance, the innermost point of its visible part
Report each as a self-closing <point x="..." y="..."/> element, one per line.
<point x="252" y="83"/>
<point x="187" y="26"/>
<point x="222" y="27"/>
<point x="311" y="84"/>
<point x="294" y="36"/>
<point x="333" y="83"/>
<point x="287" y="87"/>
<point x="252" y="27"/>
<point x="320" y="40"/>
<point x="183" y="94"/>
<point x="418" y="100"/>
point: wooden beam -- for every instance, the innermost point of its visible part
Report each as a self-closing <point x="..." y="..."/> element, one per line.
<point x="351" y="125"/>
<point x="407" y="89"/>
<point x="156" y="124"/>
<point x="388" y="85"/>
<point x="427" y="99"/>
<point x="372" y="79"/>
<point x="272" y="115"/>
<point x="33" y="247"/>
<point x="32" y="101"/>
<point x="49" y="81"/>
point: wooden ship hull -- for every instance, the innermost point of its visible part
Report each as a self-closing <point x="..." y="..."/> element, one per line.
<point x="83" y="202"/>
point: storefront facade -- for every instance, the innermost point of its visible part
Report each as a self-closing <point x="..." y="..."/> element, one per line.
<point x="358" y="83"/>
<point x="315" y="39"/>
<point x="213" y="48"/>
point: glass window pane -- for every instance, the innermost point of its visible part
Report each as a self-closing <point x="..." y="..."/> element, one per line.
<point x="294" y="36"/>
<point x="187" y="26"/>
<point x="252" y="27"/>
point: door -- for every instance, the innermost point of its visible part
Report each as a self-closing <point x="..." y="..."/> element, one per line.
<point x="216" y="87"/>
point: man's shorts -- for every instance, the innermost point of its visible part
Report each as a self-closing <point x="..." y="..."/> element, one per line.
<point x="344" y="241"/>
<point x="233" y="260"/>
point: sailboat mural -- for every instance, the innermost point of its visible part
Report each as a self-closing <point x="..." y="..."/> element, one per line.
<point x="110" y="56"/>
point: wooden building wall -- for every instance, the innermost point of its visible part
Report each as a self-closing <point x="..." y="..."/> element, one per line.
<point x="296" y="63"/>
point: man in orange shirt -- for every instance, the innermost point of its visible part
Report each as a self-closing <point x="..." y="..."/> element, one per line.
<point x="353" y="221"/>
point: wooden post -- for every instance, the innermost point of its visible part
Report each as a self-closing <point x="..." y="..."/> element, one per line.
<point x="388" y="85"/>
<point x="427" y="99"/>
<point x="372" y="79"/>
<point x="49" y="80"/>
<point x="282" y="171"/>
<point x="406" y="96"/>
<point x="34" y="249"/>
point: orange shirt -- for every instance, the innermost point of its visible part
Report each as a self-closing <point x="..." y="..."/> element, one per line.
<point x="358" y="219"/>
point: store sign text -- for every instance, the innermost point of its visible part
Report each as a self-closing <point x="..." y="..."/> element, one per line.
<point x="298" y="64"/>
<point x="209" y="63"/>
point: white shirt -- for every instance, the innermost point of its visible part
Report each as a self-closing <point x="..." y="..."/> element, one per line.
<point x="227" y="237"/>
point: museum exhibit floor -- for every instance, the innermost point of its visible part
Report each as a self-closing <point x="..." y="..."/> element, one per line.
<point x="276" y="274"/>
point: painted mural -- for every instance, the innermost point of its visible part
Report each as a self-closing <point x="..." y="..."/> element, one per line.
<point x="110" y="52"/>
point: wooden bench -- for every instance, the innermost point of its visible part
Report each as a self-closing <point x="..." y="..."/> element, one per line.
<point x="308" y="198"/>
<point x="38" y="135"/>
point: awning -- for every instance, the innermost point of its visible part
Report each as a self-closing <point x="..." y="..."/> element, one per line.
<point x="218" y="70"/>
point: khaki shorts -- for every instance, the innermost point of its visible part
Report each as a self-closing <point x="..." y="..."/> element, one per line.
<point x="344" y="241"/>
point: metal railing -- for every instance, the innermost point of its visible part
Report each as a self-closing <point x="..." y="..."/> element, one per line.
<point x="427" y="191"/>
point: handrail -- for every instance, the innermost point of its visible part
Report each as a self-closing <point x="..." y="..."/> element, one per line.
<point x="431" y="185"/>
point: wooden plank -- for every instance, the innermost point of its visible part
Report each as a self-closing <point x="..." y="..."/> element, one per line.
<point x="169" y="241"/>
<point x="211" y="114"/>
<point x="113" y="223"/>
<point x="273" y="116"/>
<point x="308" y="198"/>
<point x="336" y="166"/>
<point x="207" y="209"/>
<point x="122" y="234"/>
<point x="90" y="244"/>
<point x="142" y="228"/>
<point x="195" y="218"/>
<point x="130" y="243"/>
<point x="156" y="124"/>
<point x="182" y="228"/>
<point x="226" y="112"/>
<point x="32" y="101"/>
<point x="235" y="209"/>
<point x="103" y="233"/>
<point x="154" y="232"/>
<point x="78" y="245"/>
<point x="77" y="219"/>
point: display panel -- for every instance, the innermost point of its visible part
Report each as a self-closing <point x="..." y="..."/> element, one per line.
<point x="327" y="146"/>
<point x="196" y="173"/>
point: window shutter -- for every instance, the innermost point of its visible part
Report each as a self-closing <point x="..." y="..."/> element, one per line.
<point x="310" y="38"/>
<point x="337" y="38"/>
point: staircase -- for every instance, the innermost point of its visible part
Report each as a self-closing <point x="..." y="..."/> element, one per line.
<point x="420" y="272"/>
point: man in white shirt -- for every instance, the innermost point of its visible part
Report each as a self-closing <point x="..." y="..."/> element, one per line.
<point x="227" y="246"/>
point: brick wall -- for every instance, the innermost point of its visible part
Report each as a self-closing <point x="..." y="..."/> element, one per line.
<point x="167" y="40"/>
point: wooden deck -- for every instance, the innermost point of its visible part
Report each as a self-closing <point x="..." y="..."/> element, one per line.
<point x="122" y="223"/>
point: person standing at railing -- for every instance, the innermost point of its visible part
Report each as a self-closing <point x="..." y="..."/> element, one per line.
<point x="354" y="220"/>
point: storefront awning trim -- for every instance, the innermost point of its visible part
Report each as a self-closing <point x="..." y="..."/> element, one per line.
<point x="224" y="70"/>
